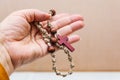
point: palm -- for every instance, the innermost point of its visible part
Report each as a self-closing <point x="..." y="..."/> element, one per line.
<point x="21" y="41"/>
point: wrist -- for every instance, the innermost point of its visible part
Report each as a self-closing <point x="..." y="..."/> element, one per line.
<point x="5" y="59"/>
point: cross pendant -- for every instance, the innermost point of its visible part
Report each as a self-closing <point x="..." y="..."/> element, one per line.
<point x="63" y="40"/>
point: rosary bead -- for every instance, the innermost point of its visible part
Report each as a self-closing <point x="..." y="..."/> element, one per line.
<point x="58" y="73"/>
<point x="53" y="40"/>
<point x="51" y="49"/>
<point x="49" y="24"/>
<point x="54" y="68"/>
<point x="72" y="66"/>
<point x="46" y="40"/>
<point x="48" y="29"/>
<point x="69" y="73"/>
<point x="53" y="31"/>
<point x="64" y="75"/>
<point x="52" y="12"/>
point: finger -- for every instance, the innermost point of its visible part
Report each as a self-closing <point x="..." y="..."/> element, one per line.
<point x="33" y="15"/>
<point x="71" y="28"/>
<point x="56" y="17"/>
<point x="73" y="38"/>
<point x="65" y="21"/>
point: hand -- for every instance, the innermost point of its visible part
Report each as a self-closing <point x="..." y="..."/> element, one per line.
<point x="19" y="34"/>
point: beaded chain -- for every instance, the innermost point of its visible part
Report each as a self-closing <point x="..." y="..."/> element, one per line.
<point x="55" y="42"/>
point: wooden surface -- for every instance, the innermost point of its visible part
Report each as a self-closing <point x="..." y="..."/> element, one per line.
<point x="99" y="48"/>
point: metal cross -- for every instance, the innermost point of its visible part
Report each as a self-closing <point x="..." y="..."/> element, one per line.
<point x="63" y="40"/>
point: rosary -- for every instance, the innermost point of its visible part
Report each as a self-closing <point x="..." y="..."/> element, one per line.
<point x="55" y="42"/>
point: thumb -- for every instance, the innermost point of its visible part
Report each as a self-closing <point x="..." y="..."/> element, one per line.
<point x="33" y="15"/>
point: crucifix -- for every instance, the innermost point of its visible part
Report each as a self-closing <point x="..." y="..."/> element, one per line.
<point x="63" y="40"/>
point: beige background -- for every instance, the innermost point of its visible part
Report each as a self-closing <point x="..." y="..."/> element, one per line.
<point x="99" y="48"/>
